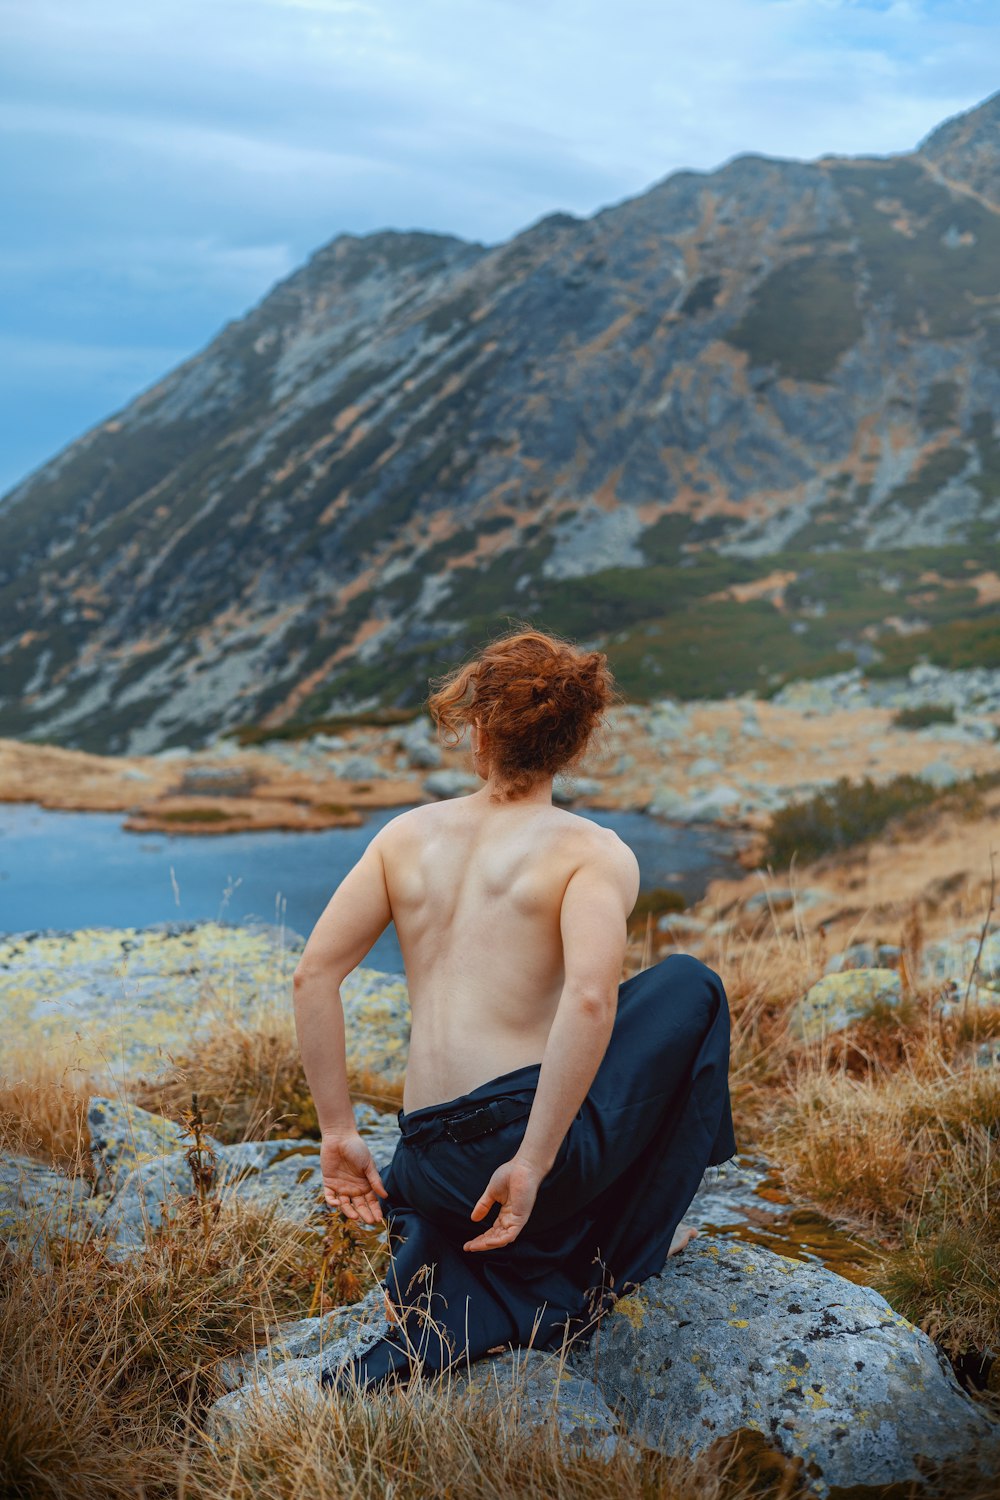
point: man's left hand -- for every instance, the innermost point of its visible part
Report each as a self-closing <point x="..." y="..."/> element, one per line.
<point x="514" y="1185"/>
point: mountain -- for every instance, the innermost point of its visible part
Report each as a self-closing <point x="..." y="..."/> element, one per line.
<point x="743" y="427"/>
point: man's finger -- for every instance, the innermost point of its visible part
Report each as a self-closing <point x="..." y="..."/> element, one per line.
<point x="376" y="1181"/>
<point x="482" y="1208"/>
<point x="491" y="1239"/>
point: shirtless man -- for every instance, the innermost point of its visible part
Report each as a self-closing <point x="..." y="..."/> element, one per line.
<point x="511" y="916"/>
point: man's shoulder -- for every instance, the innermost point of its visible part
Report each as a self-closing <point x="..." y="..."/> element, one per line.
<point x="598" y="844"/>
<point x="413" y="821"/>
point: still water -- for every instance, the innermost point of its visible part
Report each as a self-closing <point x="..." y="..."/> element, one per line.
<point x="83" y="869"/>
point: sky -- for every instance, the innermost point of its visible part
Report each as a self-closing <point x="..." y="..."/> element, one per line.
<point x="164" y="162"/>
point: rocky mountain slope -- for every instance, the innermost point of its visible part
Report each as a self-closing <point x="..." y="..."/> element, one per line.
<point x="741" y="428"/>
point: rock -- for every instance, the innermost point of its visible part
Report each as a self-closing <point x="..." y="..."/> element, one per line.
<point x="304" y="1339"/>
<point x="361" y="768"/>
<point x="939" y="773"/>
<point x="838" y="999"/>
<point x="37" y="1201"/>
<point x="425" y="755"/>
<point x="705" y="766"/>
<point x="566" y="789"/>
<point x="681" y="924"/>
<point x="269" y="1389"/>
<point x="731" y="1336"/>
<point x="668" y="804"/>
<point x="857" y="956"/>
<point x="950" y="960"/>
<point x="782" y="898"/>
<point x="420" y="745"/>
<point x="59" y="984"/>
<point x="702" y="807"/>
<point x="714" y="804"/>
<point x="377" y="1017"/>
<point x="545" y="1391"/>
<point x="122" y="1136"/>
<point x="450" y="783"/>
<point x="283" y="1175"/>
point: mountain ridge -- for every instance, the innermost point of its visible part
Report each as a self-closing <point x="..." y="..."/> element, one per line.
<point x="627" y="426"/>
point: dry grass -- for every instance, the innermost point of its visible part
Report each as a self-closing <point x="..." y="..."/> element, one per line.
<point x="45" y="1116"/>
<point x="888" y="1127"/>
<point x="107" y="1371"/>
<point x="440" y="1440"/>
<point x="251" y="1085"/>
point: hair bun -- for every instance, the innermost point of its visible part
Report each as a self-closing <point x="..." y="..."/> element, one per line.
<point x="538" y="697"/>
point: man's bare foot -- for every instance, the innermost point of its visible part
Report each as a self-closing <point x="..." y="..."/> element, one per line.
<point x="683" y="1235"/>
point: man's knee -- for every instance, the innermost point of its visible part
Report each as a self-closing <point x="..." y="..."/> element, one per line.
<point x="681" y="975"/>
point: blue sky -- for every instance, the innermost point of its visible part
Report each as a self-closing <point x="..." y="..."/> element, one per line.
<point x="164" y="162"/>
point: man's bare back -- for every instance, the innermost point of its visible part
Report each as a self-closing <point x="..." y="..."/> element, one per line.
<point x="476" y="892"/>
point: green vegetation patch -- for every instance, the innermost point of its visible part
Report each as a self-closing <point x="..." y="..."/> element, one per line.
<point x="924" y="715"/>
<point x="844" y="815"/>
<point x="803" y="317"/>
<point x="931" y="256"/>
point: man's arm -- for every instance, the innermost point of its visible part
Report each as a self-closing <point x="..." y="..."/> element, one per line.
<point x="595" y="908"/>
<point x="356" y="915"/>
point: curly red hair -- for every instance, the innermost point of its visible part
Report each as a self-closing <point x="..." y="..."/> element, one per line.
<point x="538" y="698"/>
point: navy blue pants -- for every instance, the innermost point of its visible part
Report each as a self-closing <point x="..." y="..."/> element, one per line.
<point x="656" y="1115"/>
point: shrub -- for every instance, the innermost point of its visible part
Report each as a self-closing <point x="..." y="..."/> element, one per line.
<point x="923" y="715"/>
<point x="845" y="814"/>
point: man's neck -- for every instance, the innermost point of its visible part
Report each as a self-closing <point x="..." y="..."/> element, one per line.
<point x="538" y="794"/>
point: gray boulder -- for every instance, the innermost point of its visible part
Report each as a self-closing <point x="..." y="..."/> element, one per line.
<point x="38" y="1202"/>
<point x="421" y="748"/>
<point x="940" y="774"/>
<point x="450" y="783"/>
<point x="566" y="789"/>
<point x="731" y="1336"/>
<point x="283" y="1176"/>
<point x="122" y="1136"/>
<point x="837" y="1000"/>
<point x="361" y="768"/>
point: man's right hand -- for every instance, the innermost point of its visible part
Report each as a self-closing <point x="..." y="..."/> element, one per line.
<point x="350" y="1177"/>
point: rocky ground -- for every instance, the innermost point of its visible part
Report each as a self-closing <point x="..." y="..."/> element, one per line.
<point x="744" y="1330"/>
<point x="733" y="761"/>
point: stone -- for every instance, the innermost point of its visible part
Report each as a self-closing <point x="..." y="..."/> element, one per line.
<point x="128" y="997"/>
<point x="705" y="766"/>
<point x="450" y="783"/>
<point x="681" y="924"/>
<point x="939" y="773"/>
<point x="361" y="768"/>
<point x="279" y="1175"/>
<point x="567" y="789"/>
<point x="424" y="755"/>
<point x="419" y="744"/>
<point x="732" y="1336"/>
<point x="122" y="1136"/>
<point x="711" y="806"/>
<point x="546" y="1389"/>
<point x="836" y="1000"/>
<point x="667" y="804"/>
<point x="37" y="1201"/>
<point x="857" y="956"/>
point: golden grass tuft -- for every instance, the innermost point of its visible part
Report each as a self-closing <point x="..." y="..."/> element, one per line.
<point x="44" y="1115"/>
<point x="250" y="1083"/>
